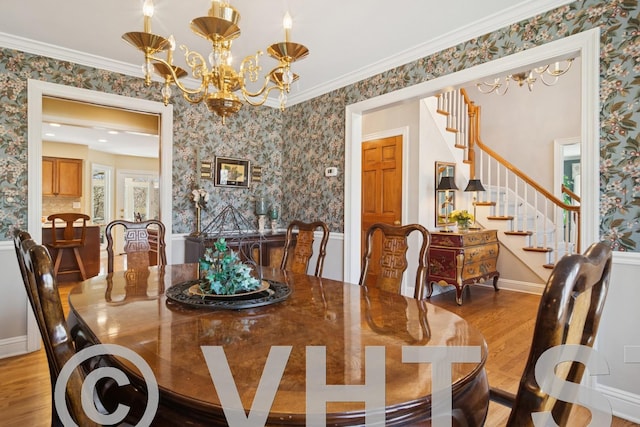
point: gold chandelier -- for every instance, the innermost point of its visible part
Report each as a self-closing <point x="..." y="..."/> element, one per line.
<point x="219" y="80"/>
<point x="547" y="74"/>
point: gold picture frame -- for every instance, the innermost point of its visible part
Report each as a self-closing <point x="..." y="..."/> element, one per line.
<point x="445" y="200"/>
<point x="232" y="172"/>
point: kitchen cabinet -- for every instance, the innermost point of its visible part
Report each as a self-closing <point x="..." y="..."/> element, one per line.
<point x="61" y="177"/>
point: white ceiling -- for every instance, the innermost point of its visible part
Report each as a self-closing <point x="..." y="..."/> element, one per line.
<point x="348" y="40"/>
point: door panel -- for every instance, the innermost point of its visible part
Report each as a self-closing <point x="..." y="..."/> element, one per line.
<point x="381" y="189"/>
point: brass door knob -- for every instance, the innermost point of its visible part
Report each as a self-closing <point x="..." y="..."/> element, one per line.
<point x="396" y="222"/>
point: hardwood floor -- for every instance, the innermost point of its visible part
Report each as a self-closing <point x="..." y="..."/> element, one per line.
<point x="505" y="318"/>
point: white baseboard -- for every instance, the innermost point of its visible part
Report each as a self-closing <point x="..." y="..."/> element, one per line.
<point x="515" y="285"/>
<point x="623" y="404"/>
<point x="13" y="346"/>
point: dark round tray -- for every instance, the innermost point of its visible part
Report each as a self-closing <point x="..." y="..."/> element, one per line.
<point x="275" y="293"/>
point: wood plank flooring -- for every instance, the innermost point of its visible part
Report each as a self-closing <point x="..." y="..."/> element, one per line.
<point x="505" y="318"/>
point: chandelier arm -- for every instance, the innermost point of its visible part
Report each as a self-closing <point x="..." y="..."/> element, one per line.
<point x="176" y="80"/>
<point x="251" y="66"/>
<point x="549" y="83"/>
<point x="197" y="100"/>
<point x="495" y="86"/>
<point x="196" y="62"/>
<point x="261" y="91"/>
<point x="263" y="94"/>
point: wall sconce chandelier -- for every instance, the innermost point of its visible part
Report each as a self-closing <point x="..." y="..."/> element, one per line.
<point x="219" y="80"/>
<point x="548" y="74"/>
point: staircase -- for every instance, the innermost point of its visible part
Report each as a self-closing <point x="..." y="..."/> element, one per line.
<point x="533" y="224"/>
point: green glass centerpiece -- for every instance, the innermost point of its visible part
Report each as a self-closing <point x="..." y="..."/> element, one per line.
<point x="224" y="273"/>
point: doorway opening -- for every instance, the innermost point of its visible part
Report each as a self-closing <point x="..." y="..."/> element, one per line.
<point x="585" y="45"/>
<point x="37" y="90"/>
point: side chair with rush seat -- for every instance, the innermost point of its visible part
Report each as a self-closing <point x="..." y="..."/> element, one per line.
<point x="385" y="270"/>
<point x="68" y="241"/>
<point x="144" y="243"/>
<point x="568" y="314"/>
<point x="296" y="258"/>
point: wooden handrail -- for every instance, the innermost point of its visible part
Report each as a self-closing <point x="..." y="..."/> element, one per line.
<point x="566" y="190"/>
<point x="474" y="139"/>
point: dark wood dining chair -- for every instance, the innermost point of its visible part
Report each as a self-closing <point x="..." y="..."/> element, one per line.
<point x="42" y="291"/>
<point x="60" y="345"/>
<point x="144" y="243"/>
<point x="569" y="313"/>
<point x="384" y="265"/>
<point x="70" y="240"/>
<point x="298" y="249"/>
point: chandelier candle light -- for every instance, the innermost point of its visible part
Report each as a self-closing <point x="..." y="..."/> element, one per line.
<point x="219" y="80"/>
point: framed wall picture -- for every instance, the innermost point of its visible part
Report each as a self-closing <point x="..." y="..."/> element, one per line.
<point x="445" y="199"/>
<point x="232" y="172"/>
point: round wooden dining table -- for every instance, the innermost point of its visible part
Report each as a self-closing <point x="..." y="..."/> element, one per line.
<point x="326" y="327"/>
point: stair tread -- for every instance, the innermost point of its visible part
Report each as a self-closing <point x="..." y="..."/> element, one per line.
<point x="518" y="233"/>
<point x="537" y="249"/>
<point x="485" y="203"/>
<point x="505" y="218"/>
<point x="549" y="266"/>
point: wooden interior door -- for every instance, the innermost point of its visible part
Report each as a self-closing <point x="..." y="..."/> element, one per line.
<point x="381" y="190"/>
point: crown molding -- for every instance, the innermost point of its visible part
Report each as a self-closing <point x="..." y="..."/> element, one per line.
<point x="486" y="25"/>
<point x="56" y="52"/>
<point x="478" y="28"/>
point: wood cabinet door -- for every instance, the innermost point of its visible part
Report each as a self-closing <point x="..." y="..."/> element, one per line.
<point x="69" y="177"/>
<point x="47" y="176"/>
<point x="61" y="177"/>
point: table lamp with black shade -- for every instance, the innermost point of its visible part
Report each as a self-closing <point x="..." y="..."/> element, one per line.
<point x="446" y="184"/>
<point x="474" y="185"/>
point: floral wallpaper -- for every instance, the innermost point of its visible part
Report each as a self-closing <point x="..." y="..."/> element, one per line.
<point x="294" y="147"/>
<point x="318" y="125"/>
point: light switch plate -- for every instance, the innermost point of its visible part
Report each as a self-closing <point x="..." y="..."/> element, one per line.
<point x="331" y="171"/>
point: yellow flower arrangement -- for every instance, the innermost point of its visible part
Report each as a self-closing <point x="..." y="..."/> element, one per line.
<point x="461" y="216"/>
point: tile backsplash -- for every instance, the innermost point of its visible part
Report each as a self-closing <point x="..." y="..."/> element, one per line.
<point x="51" y="205"/>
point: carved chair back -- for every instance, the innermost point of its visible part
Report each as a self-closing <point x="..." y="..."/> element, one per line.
<point x="141" y="250"/>
<point x="387" y="270"/>
<point x="298" y="249"/>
